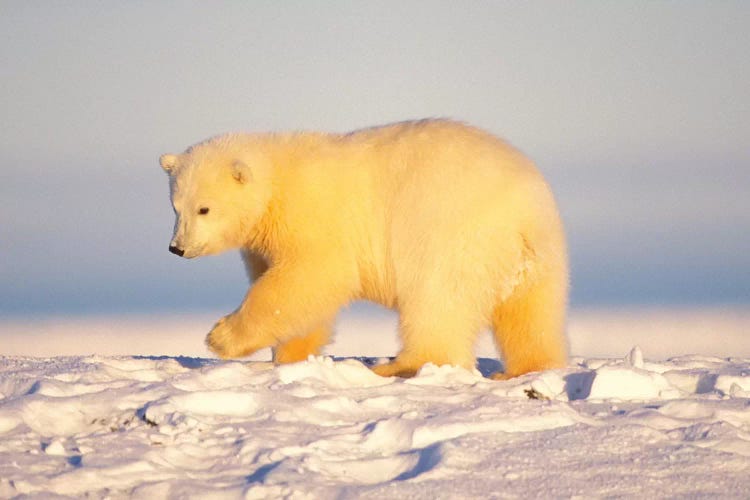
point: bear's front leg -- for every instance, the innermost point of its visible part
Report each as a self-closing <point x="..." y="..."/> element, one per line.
<point x="229" y="338"/>
<point x="301" y="347"/>
<point x="286" y="302"/>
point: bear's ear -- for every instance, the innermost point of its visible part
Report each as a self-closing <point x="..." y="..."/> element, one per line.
<point x="168" y="162"/>
<point x="241" y="172"/>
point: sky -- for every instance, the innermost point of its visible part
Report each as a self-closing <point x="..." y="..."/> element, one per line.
<point x="638" y="113"/>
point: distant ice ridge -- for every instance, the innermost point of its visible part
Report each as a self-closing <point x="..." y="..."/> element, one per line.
<point x="365" y="330"/>
<point x="151" y="427"/>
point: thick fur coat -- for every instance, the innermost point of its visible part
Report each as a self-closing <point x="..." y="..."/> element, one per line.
<point x="443" y="222"/>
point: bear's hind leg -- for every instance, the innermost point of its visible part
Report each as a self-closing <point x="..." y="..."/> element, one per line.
<point x="529" y="327"/>
<point x="299" y="348"/>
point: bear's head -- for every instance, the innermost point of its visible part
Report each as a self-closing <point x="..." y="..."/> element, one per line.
<point x="219" y="190"/>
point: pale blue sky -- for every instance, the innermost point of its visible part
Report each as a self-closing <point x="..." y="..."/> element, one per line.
<point x="637" y="112"/>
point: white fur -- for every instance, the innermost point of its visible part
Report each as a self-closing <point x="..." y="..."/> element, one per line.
<point x="444" y="222"/>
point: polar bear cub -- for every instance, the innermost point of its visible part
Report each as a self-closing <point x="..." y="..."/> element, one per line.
<point x="443" y="222"/>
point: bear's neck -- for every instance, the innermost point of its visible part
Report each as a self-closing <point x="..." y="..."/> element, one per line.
<point x="264" y="236"/>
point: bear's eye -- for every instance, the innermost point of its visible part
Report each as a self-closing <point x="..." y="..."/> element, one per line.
<point x="203" y="210"/>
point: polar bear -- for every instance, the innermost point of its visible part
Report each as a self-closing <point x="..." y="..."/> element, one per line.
<point x="441" y="221"/>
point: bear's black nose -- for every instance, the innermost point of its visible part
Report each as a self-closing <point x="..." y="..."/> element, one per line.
<point x="176" y="251"/>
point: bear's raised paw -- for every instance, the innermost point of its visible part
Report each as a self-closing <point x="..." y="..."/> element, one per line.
<point x="226" y="340"/>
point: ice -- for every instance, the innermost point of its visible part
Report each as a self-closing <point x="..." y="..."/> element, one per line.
<point x="195" y="427"/>
<point x="348" y="373"/>
<point x="55" y="447"/>
<point x="633" y="423"/>
<point x="621" y="383"/>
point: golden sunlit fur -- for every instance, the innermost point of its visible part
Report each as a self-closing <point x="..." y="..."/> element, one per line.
<point x="443" y="222"/>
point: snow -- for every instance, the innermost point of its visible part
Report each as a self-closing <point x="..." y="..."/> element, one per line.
<point x="630" y="424"/>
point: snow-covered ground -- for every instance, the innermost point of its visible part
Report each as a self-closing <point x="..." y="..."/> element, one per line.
<point x="171" y="422"/>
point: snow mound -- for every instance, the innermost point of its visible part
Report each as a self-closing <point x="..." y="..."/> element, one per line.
<point x="190" y="427"/>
